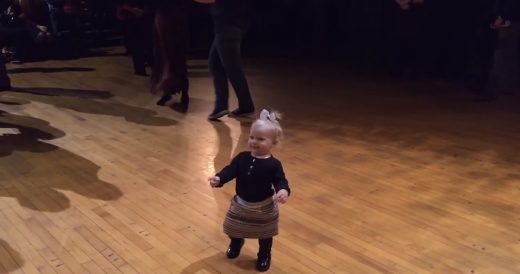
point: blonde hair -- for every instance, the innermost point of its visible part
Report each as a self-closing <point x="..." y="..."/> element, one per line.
<point x="270" y="119"/>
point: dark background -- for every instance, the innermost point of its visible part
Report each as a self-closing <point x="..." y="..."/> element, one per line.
<point x="441" y="38"/>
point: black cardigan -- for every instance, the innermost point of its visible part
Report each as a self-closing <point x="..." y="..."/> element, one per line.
<point x="255" y="177"/>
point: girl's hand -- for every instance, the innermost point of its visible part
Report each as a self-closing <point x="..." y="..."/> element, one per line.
<point x="214" y="181"/>
<point x="281" y="196"/>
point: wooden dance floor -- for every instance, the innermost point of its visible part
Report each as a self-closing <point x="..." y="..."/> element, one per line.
<point x="387" y="177"/>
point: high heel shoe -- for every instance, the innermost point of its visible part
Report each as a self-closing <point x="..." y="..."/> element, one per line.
<point x="164" y="99"/>
<point x="170" y="89"/>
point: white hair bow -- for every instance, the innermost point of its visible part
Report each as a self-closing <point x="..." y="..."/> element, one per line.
<point x="267" y="115"/>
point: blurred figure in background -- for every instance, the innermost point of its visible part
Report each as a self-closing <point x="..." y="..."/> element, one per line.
<point x="504" y="75"/>
<point x="231" y="19"/>
<point x="5" y="82"/>
<point x="136" y="17"/>
<point x="406" y="39"/>
<point x="66" y="25"/>
<point x="26" y="22"/>
<point x="170" y="40"/>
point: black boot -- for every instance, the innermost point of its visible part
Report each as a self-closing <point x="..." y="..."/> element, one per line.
<point x="234" y="248"/>
<point x="264" y="262"/>
<point x="264" y="254"/>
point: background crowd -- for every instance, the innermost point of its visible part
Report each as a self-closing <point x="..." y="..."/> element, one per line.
<point x="461" y="41"/>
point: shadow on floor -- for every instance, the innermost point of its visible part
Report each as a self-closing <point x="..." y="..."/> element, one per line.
<point x="36" y="172"/>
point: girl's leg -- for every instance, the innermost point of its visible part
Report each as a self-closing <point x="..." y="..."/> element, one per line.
<point x="264" y="254"/>
<point x="265" y="246"/>
<point x="234" y="247"/>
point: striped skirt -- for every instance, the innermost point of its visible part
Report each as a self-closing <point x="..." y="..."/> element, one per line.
<point x="251" y="220"/>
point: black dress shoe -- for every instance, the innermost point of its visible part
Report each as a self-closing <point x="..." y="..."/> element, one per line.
<point x="241" y="112"/>
<point x="263" y="263"/>
<point x="216" y="114"/>
<point x="234" y="250"/>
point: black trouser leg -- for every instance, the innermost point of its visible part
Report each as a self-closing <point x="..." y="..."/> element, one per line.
<point x="5" y="82"/>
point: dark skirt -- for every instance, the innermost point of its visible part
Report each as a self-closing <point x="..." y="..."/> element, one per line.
<point x="170" y="36"/>
<point x="251" y="220"/>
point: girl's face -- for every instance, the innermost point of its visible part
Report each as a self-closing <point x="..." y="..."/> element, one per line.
<point x="261" y="140"/>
